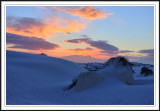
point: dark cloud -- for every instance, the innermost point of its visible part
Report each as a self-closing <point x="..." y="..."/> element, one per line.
<point x="85" y="40"/>
<point x="89" y="48"/>
<point x="148" y="59"/>
<point x="142" y="59"/>
<point x="125" y="51"/>
<point x="31" y="43"/>
<point x="23" y="23"/>
<point x="149" y="51"/>
<point x="103" y="45"/>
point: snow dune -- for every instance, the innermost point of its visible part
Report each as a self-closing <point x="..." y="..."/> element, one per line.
<point x="28" y="74"/>
<point x="40" y="80"/>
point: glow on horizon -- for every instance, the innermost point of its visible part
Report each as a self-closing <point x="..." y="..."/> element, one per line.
<point x="126" y="28"/>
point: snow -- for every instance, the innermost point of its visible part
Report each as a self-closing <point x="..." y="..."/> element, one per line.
<point x="137" y="69"/>
<point x="119" y="68"/>
<point x="33" y="79"/>
<point x="87" y="80"/>
<point x="29" y="74"/>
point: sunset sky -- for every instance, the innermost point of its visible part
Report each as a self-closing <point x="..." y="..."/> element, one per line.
<point x="82" y="33"/>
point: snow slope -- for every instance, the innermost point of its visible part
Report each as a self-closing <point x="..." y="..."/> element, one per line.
<point x="40" y="80"/>
<point x="138" y="66"/>
<point x="29" y="75"/>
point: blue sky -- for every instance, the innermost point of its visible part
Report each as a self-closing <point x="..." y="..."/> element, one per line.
<point x="128" y="28"/>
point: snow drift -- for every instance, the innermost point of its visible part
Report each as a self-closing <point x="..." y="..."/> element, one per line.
<point x="34" y="79"/>
<point x="28" y="72"/>
<point x="38" y="69"/>
<point x="119" y="67"/>
<point x="87" y="80"/>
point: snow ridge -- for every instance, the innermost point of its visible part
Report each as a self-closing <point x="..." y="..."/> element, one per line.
<point x="34" y="79"/>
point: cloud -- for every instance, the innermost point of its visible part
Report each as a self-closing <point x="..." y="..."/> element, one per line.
<point x="42" y="28"/>
<point x="141" y="59"/>
<point x="150" y="54"/>
<point x="125" y="51"/>
<point x="31" y="43"/>
<point x="85" y="12"/>
<point x="53" y="22"/>
<point x="147" y="59"/>
<point x="103" y="45"/>
<point x="78" y="41"/>
<point x="147" y="51"/>
<point x="79" y="49"/>
<point x="111" y="52"/>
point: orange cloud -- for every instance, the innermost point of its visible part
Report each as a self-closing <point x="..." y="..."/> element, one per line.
<point x="85" y="12"/>
<point x="48" y="27"/>
<point x="52" y="24"/>
<point x="80" y="51"/>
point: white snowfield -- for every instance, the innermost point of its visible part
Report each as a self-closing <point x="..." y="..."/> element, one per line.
<point x="33" y="79"/>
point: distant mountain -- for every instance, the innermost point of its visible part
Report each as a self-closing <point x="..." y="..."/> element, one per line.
<point x="82" y="59"/>
<point x="92" y="66"/>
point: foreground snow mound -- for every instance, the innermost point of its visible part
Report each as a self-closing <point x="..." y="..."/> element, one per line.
<point x="87" y="80"/>
<point x="33" y="79"/>
<point x="119" y="67"/>
<point x="29" y="74"/>
<point x="41" y="69"/>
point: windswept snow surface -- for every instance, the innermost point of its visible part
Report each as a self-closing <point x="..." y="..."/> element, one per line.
<point x="33" y="79"/>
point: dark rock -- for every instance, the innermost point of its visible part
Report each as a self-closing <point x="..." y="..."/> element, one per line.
<point x="146" y="71"/>
<point x="73" y="84"/>
<point x="43" y="54"/>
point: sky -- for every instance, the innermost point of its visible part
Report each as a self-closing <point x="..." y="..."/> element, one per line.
<point x="82" y="33"/>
